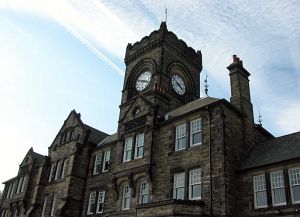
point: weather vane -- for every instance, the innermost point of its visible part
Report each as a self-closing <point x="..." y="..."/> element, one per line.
<point x="166" y="13"/>
<point x="260" y="120"/>
<point x="206" y="85"/>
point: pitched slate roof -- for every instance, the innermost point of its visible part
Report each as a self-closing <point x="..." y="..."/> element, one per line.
<point x="196" y="104"/>
<point x="39" y="158"/>
<point x="276" y="150"/>
<point x="96" y="135"/>
<point x="109" y="139"/>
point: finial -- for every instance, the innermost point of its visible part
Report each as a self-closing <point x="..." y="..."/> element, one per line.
<point x="260" y="120"/>
<point x="206" y="85"/>
<point x="166" y="13"/>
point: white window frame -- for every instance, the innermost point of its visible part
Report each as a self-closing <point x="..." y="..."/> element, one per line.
<point x="262" y="187"/>
<point x="58" y="170"/>
<point x="3" y="213"/>
<point x="92" y="200"/>
<point x="195" y="127"/>
<point x="294" y="181"/>
<point x="193" y="182"/>
<point x="128" y="149"/>
<point x="101" y="199"/>
<point x="98" y="161"/>
<point x="106" y="159"/>
<point x="179" y="183"/>
<point x="53" y="207"/>
<point x="180" y="134"/>
<point x="144" y="192"/>
<point x="125" y="197"/>
<point x="277" y="183"/>
<point x="44" y="206"/>
<point x="139" y="144"/>
<point x="64" y="168"/>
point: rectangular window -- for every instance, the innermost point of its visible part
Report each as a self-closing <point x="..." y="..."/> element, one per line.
<point x="278" y="190"/>
<point x="100" y="203"/>
<point x="178" y="188"/>
<point x="52" y="172"/>
<point x="195" y="184"/>
<point x="44" y="206"/>
<point x="92" y="203"/>
<point x="97" y="165"/>
<point x="24" y="183"/>
<point x="139" y="146"/>
<point x="53" y="207"/>
<point x="294" y="175"/>
<point x="144" y="192"/>
<point x="126" y="197"/>
<point x="196" y="134"/>
<point x="260" y="192"/>
<point x="64" y="169"/>
<point x="106" y="160"/>
<point x="180" y="142"/>
<point x="13" y="189"/>
<point x="127" y="149"/>
<point x="58" y="170"/>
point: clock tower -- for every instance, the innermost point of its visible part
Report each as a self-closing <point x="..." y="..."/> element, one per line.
<point x="162" y="70"/>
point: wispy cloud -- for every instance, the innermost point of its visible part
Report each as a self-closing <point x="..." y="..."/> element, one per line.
<point x="265" y="34"/>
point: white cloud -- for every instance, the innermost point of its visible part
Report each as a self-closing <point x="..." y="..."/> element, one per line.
<point x="288" y="118"/>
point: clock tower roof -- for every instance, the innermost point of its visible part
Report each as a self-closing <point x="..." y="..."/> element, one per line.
<point x="156" y="39"/>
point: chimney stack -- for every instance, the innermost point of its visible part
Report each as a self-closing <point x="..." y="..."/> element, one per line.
<point x="240" y="91"/>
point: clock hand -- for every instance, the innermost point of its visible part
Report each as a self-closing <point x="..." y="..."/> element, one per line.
<point x="179" y="85"/>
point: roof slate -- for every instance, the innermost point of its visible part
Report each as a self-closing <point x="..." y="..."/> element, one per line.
<point x="276" y="150"/>
<point x="196" y="104"/>
<point x="96" y="135"/>
<point x="109" y="139"/>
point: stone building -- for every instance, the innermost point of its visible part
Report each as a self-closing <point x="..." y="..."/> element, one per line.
<point x="174" y="153"/>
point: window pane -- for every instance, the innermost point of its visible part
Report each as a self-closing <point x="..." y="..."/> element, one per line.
<point x="197" y="138"/>
<point x="180" y="194"/>
<point x="279" y="196"/>
<point x="296" y="192"/>
<point x="261" y="199"/>
<point x="196" y="191"/>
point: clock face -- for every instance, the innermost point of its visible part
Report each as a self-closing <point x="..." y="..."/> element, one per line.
<point x="178" y="84"/>
<point x="143" y="80"/>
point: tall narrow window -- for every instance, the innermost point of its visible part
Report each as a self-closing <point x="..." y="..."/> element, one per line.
<point x="180" y="142"/>
<point x="127" y="149"/>
<point x="196" y="134"/>
<point x="53" y="207"/>
<point x="106" y="160"/>
<point x="126" y="197"/>
<point x="3" y="213"/>
<point x="58" y="170"/>
<point x="260" y="192"/>
<point x="100" y="203"/>
<point x="9" y="191"/>
<point x="97" y="165"/>
<point x="52" y="172"/>
<point x="178" y="189"/>
<point x="24" y="183"/>
<point x="64" y="169"/>
<point x="139" y="146"/>
<point x="195" y="184"/>
<point x="144" y="192"/>
<point x="44" y="206"/>
<point x="22" y="212"/>
<point x="20" y="185"/>
<point x="92" y="203"/>
<point x="278" y="190"/>
<point x="294" y="175"/>
<point x="13" y="189"/>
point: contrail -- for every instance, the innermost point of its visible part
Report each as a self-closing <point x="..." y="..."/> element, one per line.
<point x="89" y="45"/>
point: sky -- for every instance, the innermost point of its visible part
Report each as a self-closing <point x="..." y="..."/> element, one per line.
<point x="59" y="55"/>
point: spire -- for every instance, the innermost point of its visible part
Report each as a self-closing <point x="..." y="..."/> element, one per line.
<point x="206" y="86"/>
<point x="260" y="120"/>
<point x="166" y="13"/>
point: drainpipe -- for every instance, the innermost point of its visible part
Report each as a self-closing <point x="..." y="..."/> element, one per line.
<point x="209" y="164"/>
